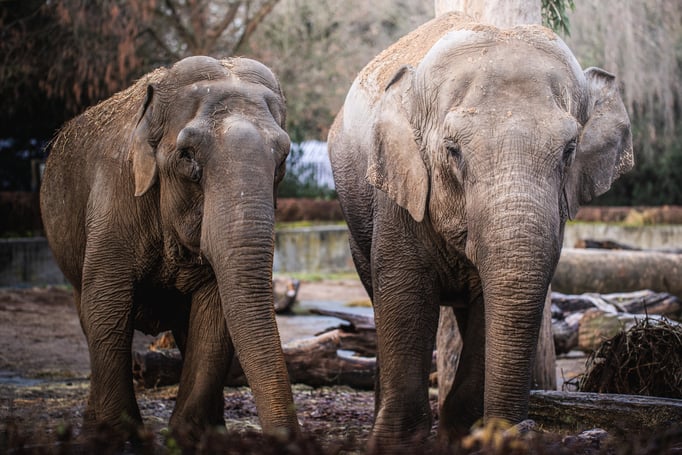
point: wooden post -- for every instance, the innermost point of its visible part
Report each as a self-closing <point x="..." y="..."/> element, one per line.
<point x="448" y="348"/>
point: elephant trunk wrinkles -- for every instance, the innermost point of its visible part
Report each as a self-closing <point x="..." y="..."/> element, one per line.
<point x="239" y="242"/>
<point x="514" y="241"/>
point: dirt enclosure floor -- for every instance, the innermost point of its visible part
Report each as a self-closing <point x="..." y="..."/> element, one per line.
<point x="44" y="370"/>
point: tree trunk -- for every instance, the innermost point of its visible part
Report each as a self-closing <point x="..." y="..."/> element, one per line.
<point x="606" y="271"/>
<point x="501" y="13"/>
<point x="544" y="369"/>
<point x="613" y="245"/>
<point x="622" y="415"/>
<point x="448" y="347"/>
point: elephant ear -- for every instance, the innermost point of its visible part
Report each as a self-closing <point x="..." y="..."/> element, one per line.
<point x="604" y="149"/>
<point x="395" y="163"/>
<point x="142" y="151"/>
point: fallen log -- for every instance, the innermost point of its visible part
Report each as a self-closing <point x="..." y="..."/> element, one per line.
<point x="639" y="302"/>
<point x="613" y="245"/>
<point x="157" y="368"/>
<point x="286" y="297"/>
<point x="606" y="271"/>
<point x="358" y="336"/>
<point x="315" y="361"/>
<point x="620" y="415"/>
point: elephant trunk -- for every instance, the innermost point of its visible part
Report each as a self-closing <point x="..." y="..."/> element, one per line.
<point x="514" y="241"/>
<point x="238" y="241"/>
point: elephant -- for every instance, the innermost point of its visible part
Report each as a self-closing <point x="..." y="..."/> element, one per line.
<point x="158" y="204"/>
<point x="458" y="156"/>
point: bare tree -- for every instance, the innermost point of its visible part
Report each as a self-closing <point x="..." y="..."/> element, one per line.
<point x="318" y="46"/>
<point x="206" y="27"/>
<point x="639" y="40"/>
<point x="77" y="52"/>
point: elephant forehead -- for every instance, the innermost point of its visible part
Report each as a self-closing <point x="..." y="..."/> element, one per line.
<point x="218" y="98"/>
<point x="514" y="78"/>
<point x="491" y="121"/>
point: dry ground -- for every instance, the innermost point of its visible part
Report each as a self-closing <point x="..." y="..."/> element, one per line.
<point x="44" y="372"/>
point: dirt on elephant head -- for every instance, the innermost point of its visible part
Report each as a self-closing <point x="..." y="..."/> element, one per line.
<point x="408" y="50"/>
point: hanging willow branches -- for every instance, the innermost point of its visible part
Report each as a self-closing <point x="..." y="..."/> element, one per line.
<point x="555" y="15"/>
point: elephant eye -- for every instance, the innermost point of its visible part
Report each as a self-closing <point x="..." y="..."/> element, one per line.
<point x="189" y="165"/>
<point x="453" y="148"/>
<point x="186" y="153"/>
<point x="569" y="152"/>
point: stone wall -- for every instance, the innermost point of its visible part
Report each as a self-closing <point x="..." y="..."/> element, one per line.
<point x="318" y="249"/>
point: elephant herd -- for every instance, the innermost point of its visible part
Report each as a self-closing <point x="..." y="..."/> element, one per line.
<point x="458" y="156"/>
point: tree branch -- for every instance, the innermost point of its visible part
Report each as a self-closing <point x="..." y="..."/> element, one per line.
<point x="215" y="32"/>
<point x="253" y="23"/>
<point x="176" y="22"/>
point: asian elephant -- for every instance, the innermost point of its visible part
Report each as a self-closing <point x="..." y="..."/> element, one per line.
<point x="158" y="204"/>
<point x="458" y="156"/>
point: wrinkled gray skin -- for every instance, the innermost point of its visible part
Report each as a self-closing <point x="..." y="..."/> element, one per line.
<point x="158" y="204"/>
<point x="456" y="174"/>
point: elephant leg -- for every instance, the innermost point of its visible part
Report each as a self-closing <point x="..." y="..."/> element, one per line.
<point x="180" y="336"/>
<point x="105" y="311"/>
<point x="180" y="327"/>
<point x="463" y="405"/>
<point x="406" y="315"/>
<point x="362" y="265"/>
<point x="208" y="354"/>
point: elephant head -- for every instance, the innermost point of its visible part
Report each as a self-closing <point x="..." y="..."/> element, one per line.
<point x="210" y="145"/>
<point x="493" y="139"/>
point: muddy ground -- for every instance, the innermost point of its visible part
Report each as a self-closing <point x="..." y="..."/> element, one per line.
<point x="44" y="370"/>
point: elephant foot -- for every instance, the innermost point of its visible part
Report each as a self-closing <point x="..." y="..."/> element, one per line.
<point x="107" y="431"/>
<point x="190" y="426"/>
<point x="397" y="443"/>
<point x="389" y="438"/>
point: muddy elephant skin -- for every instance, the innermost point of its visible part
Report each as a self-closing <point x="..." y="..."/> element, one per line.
<point x="158" y="204"/>
<point x="459" y="154"/>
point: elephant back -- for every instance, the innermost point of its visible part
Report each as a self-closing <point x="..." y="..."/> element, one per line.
<point x="110" y="122"/>
<point x="408" y="50"/>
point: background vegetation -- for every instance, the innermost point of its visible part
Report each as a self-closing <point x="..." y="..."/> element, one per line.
<point x="58" y="57"/>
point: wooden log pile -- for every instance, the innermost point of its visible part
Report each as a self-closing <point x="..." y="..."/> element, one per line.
<point x="584" y="321"/>
<point x="579" y="322"/>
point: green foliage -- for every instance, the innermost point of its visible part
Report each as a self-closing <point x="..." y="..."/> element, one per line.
<point x="555" y="15"/>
